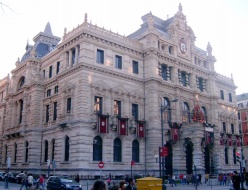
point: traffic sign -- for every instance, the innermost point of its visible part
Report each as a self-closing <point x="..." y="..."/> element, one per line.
<point x="164" y="151"/>
<point x="101" y="164"/>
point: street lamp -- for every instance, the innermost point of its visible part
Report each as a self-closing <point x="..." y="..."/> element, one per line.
<point x="162" y="109"/>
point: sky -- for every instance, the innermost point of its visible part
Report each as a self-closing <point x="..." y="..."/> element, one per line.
<point x="223" y="23"/>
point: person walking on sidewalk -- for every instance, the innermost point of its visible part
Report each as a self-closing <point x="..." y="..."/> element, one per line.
<point x="24" y="181"/>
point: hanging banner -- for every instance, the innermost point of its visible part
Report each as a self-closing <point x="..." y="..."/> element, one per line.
<point x="238" y="141"/>
<point x="122" y="126"/>
<point x="174" y="134"/>
<point x="141" y="129"/>
<point x="103" y="123"/>
<point x="229" y="141"/>
<point x="207" y="137"/>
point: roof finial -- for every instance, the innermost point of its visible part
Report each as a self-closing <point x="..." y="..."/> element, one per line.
<point x="85" y="17"/>
<point x="180" y="8"/>
<point x="48" y="29"/>
<point x="209" y="49"/>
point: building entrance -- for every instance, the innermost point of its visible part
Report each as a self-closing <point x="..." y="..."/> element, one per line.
<point x="168" y="160"/>
<point x="189" y="158"/>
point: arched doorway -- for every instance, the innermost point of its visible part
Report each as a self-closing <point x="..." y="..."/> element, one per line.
<point x="207" y="159"/>
<point x="189" y="158"/>
<point x="168" y="160"/>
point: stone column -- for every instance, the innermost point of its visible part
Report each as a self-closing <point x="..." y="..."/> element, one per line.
<point x="70" y="58"/>
<point x="76" y="55"/>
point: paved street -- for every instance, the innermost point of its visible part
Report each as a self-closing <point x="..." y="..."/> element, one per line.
<point x="13" y="186"/>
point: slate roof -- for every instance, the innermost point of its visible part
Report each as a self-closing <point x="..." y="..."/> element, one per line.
<point x="243" y="96"/>
<point x="159" y="25"/>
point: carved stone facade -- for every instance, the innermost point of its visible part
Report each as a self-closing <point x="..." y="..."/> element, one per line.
<point x="99" y="96"/>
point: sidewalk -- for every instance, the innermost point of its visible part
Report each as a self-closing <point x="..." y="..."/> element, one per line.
<point x="200" y="187"/>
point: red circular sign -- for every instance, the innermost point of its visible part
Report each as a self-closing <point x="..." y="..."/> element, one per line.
<point x="101" y="164"/>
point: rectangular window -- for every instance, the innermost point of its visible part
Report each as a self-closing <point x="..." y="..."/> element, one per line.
<point x="98" y="105"/>
<point x="163" y="72"/>
<point x="135" y="67"/>
<point x="73" y="56"/>
<point x="68" y="108"/>
<point x="56" y="89"/>
<point x="230" y="97"/>
<point x="117" y="108"/>
<point x="232" y="128"/>
<point x="118" y="62"/>
<point x="183" y="79"/>
<point x="222" y="94"/>
<point x="57" y="67"/>
<point x="135" y="111"/>
<point x="54" y="111"/>
<point x="44" y="73"/>
<point x="47" y="113"/>
<point x="100" y="56"/>
<point x="224" y="127"/>
<point x="50" y="71"/>
<point x="200" y="84"/>
<point x="48" y="92"/>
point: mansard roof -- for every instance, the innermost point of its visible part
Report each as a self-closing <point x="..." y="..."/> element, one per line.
<point x="243" y="96"/>
<point x="159" y="25"/>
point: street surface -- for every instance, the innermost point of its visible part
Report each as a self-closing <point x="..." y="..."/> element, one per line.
<point x="14" y="186"/>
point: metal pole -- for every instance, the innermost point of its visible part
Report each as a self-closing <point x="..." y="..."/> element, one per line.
<point x="48" y="170"/>
<point x="7" y="181"/>
<point x="241" y="172"/>
<point x="195" y="178"/>
<point x="162" y="140"/>
<point x="131" y="170"/>
<point x="159" y="149"/>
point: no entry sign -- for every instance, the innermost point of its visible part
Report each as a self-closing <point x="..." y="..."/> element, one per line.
<point x="101" y="164"/>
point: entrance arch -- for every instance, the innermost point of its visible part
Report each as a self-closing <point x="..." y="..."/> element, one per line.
<point x="168" y="160"/>
<point x="189" y="157"/>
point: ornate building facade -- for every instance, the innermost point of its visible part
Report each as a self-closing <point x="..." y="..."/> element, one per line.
<point x="99" y="96"/>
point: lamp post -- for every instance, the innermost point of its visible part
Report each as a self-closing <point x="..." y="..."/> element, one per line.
<point x="162" y="109"/>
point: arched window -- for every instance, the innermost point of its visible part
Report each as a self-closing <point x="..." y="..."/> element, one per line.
<point x="234" y="156"/>
<point x="21" y="109"/>
<point x="46" y="151"/>
<point x="204" y="110"/>
<point x="26" y="151"/>
<point x="135" y="151"/>
<point x="67" y="147"/>
<point x="53" y="148"/>
<point x="226" y="155"/>
<point x="15" y="152"/>
<point x="117" y="150"/>
<point x="167" y="109"/>
<point x="21" y="83"/>
<point x="97" y="149"/>
<point x="186" y="113"/>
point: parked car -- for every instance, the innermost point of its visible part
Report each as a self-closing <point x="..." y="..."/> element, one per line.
<point x="2" y="176"/>
<point x="62" y="183"/>
<point x="12" y="178"/>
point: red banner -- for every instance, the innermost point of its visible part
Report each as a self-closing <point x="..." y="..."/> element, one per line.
<point x="174" y="134"/>
<point x="122" y="127"/>
<point x="221" y="141"/>
<point x="208" y="138"/>
<point x="164" y="151"/>
<point x="141" y="130"/>
<point x="229" y="141"/>
<point x="103" y="124"/>
<point x="238" y="141"/>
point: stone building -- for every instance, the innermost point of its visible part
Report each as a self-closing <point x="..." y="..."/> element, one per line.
<point x="100" y="96"/>
<point x="242" y="102"/>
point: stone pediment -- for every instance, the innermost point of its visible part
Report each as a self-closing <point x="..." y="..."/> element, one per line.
<point x="100" y="85"/>
<point x="137" y="95"/>
<point x="119" y="89"/>
<point x="68" y="86"/>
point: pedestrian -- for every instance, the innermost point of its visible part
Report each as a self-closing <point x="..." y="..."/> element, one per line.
<point x="206" y="177"/>
<point x="220" y="178"/>
<point x="130" y="184"/>
<point x="41" y="182"/>
<point x="77" y="179"/>
<point x="236" y="179"/>
<point x="30" y="181"/>
<point x="173" y="180"/>
<point x="199" y="179"/>
<point x="99" y="185"/>
<point x="123" y="185"/>
<point x="24" y="181"/>
<point x="224" y="179"/>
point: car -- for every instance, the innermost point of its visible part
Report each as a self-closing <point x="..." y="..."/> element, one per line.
<point x="12" y="177"/>
<point x="2" y="176"/>
<point x="19" y="178"/>
<point x="62" y="183"/>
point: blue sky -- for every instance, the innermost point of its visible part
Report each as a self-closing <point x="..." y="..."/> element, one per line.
<point x="223" y="23"/>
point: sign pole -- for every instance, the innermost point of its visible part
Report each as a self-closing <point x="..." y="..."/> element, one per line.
<point x="7" y="181"/>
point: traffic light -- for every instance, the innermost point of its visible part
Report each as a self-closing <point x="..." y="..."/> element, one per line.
<point x="238" y="157"/>
<point x="48" y="162"/>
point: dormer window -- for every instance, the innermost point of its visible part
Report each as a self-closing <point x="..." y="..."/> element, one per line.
<point x="21" y="83"/>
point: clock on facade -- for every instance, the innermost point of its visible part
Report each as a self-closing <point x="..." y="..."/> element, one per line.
<point x="183" y="46"/>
